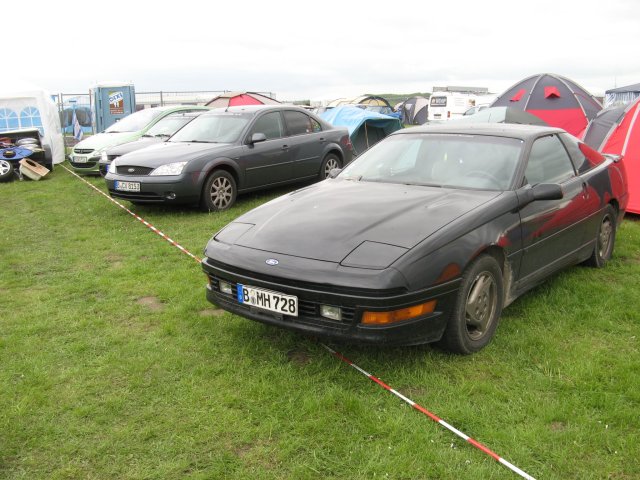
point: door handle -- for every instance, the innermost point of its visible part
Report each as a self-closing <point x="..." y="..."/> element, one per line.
<point x="322" y="139"/>
<point x="285" y="147"/>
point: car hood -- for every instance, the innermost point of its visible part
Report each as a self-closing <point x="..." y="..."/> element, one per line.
<point x="106" y="140"/>
<point x="128" y="147"/>
<point x="329" y="220"/>
<point x="169" y="152"/>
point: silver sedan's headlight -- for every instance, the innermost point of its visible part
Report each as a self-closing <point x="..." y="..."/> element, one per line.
<point x="169" y="169"/>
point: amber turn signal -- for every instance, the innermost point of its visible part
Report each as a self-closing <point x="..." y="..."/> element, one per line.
<point x="383" y="318"/>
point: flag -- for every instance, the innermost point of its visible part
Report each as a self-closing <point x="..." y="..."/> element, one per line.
<point x="77" y="129"/>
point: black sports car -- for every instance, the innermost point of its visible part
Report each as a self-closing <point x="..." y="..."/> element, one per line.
<point x="229" y="151"/>
<point x="423" y="238"/>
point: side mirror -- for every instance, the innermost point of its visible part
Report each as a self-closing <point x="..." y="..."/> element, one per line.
<point x="541" y="191"/>
<point x="334" y="172"/>
<point x="547" y="191"/>
<point x="257" y="138"/>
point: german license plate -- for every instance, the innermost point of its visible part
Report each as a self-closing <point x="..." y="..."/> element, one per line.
<point x="127" y="186"/>
<point x="80" y="159"/>
<point x="268" y="300"/>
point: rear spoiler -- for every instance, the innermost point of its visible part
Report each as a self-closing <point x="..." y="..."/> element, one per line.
<point x="613" y="156"/>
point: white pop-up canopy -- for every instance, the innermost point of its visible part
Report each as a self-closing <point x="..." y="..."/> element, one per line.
<point x="27" y="106"/>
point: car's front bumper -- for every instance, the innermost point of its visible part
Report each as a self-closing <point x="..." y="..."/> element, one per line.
<point x="352" y="301"/>
<point x="89" y="165"/>
<point x="174" y="189"/>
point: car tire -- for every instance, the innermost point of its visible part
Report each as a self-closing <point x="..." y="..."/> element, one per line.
<point x="605" y="239"/>
<point x="6" y="171"/>
<point x="219" y="192"/>
<point x="478" y="308"/>
<point x="329" y="162"/>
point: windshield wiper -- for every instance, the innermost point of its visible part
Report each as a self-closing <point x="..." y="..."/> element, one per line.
<point x="159" y="135"/>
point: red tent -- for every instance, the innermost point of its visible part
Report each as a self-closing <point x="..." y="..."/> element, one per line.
<point x="557" y="100"/>
<point x="232" y="99"/>
<point x="617" y="130"/>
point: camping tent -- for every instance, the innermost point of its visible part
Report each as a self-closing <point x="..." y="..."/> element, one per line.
<point x="557" y="100"/>
<point x="232" y="99"/>
<point x="414" y="111"/>
<point x="617" y="130"/>
<point x="622" y="95"/>
<point x="365" y="128"/>
<point x="31" y="107"/>
<point x="502" y="115"/>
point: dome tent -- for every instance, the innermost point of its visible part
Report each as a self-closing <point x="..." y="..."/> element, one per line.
<point x="232" y="99"/>
<point x="617" y="130"/>
<point x="414" y="111"/>
<point x="557" y="100"/>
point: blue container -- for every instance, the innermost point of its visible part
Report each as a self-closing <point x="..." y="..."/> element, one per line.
<point x="111" y="102"/>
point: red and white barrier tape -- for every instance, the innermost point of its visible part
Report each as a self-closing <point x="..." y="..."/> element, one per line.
<point x="433" y="417"/>
<point x="137" y="217"/>
<point x="338" y="355"/>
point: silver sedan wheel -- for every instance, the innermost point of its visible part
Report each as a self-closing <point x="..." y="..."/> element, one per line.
<point x="221" y="193"/>
<point x="481" y="305"/>
<point x="330" y="165"/>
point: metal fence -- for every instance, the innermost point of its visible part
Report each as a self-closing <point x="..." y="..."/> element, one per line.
<point x="82" y="104"/>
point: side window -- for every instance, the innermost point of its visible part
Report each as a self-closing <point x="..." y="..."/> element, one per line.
<point x="270" y="124"/>
<point x="298" y="123"/>
<point x="548" y="162"/>
<point x="315" y="125"/>
<point x="583" y="156"/>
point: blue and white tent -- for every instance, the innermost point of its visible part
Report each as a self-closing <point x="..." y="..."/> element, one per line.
<point x="365" y="128"/>
<point x="30" y="107"/>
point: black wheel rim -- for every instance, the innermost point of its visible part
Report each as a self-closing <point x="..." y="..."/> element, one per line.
<point x="4" y="167"/>
<point x="330" y="165"/>
<point x="604" y="238"/>
<point x="480" y="306"/>
<point x="221" y="193"/>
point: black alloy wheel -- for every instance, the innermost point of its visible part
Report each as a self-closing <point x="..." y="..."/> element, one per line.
<point x="605" y="239"/>
<point x="478" y="308"/>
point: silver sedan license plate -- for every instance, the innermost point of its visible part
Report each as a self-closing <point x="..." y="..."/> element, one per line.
<point x="80" y="159"/>
<point x="268" y="300"/>
<point x="127" y="186"/>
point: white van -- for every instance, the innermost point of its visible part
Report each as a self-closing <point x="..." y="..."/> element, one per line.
<point x="447" y="105"/>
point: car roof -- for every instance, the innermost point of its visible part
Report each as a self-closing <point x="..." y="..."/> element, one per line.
<point x="256" y="108"/>
<point x="496" y="129"/>
<point x="178" y="108"/>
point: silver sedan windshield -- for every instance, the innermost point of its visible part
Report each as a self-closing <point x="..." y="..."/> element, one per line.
<point x="443" y="160"/>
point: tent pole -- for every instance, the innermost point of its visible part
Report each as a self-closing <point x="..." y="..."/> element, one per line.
<point x="366" y="134"/>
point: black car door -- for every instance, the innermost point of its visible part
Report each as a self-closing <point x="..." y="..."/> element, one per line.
<point x="306" y="142"/>
<point x="553" y="231"/>
<point x="269" y="161"/>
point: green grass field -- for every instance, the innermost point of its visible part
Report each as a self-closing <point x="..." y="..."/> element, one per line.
<point x="114" y="366"/>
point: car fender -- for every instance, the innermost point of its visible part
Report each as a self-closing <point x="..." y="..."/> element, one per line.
<point x="220" y="162"/>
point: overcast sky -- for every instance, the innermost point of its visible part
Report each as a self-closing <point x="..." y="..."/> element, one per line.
<point x="320" y="50"/>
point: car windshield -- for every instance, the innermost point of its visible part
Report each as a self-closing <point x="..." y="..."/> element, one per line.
<point x="441" y="160"/>
<point x="169" y="125"/>
<point x="136" y="121"/>
<point x="216" y="128"/>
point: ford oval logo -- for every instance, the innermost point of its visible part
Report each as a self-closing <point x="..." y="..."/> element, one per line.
<point x="131" y="170"/>
<point x="271" y="261"/>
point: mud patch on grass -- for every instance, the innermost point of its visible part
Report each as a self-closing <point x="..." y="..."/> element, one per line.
<point x="413" y="391"/>
<point x="558" y="426"/>
<point x="299" y="356"/>
<point x="211" y="312"/>
<point x="114" y="260"/>
<point x="152" y="303"/>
